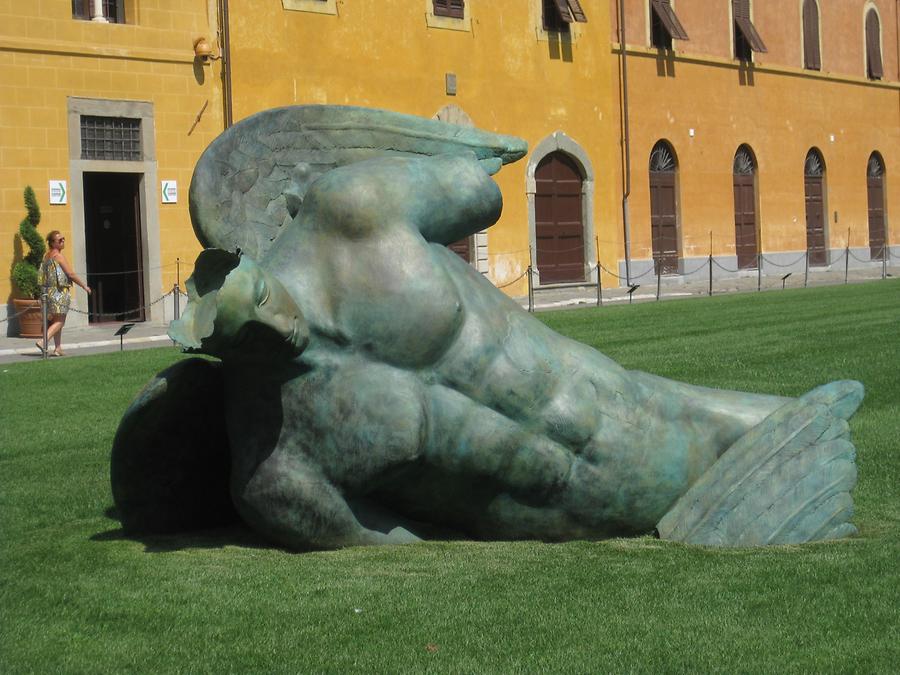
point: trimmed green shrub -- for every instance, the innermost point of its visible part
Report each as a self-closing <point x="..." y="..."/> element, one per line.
<point x="25" y="271"/>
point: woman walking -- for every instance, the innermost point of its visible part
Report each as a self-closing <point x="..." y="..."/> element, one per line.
<point x="56" y="279"/>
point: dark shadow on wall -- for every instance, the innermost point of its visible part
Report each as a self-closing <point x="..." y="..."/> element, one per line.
<point x="559" y="46"/>
<point x="745" y="74"/>
<point x="665" y="63"/>
<point x="12" y="326"/>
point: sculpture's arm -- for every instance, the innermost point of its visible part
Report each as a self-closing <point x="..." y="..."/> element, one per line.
<point x="445" y="197"/>
<point x="289" y="499"/>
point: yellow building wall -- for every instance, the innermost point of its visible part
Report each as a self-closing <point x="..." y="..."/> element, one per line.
<point x="510" y="79"/>
<point x="47" y="56"/>
<point x="779" y="110"/>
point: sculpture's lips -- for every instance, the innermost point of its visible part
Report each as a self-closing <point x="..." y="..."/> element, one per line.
<point x="294" y="336"/>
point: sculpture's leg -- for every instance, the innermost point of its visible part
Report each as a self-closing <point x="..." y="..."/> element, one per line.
<point x="290" y="500"/>
<point x="170" y="459"/>
<point x="786" y="481"/>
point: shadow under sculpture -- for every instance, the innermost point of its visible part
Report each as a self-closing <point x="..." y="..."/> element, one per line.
<point x="372" y="388"/>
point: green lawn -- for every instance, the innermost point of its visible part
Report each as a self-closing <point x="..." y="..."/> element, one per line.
<point x="77" y="596"/>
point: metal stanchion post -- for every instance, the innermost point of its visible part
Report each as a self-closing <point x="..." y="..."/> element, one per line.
<point x="177" y="297"/>
<point x="44" y="323"/>
<point x="530" y="291"/>
<point x="658" y="280"/>
<point x="884" y="257"/>
<point x="847" y="261"/>
<point x="759" y="264"/>
<point x="599" y="286"/>
<point x="710" y="274"/>
<point x="806" y="269"/>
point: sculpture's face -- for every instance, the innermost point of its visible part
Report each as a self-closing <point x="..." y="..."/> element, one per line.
<point x="255" y="313"/>
<point x="237" y="310"/>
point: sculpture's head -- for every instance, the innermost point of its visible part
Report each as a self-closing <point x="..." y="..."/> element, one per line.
<point x="236" y="310"/>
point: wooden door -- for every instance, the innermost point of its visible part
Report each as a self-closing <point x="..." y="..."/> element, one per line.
<point x="559" y="224"/>
<point x="875" y="185"/>
<point x="663" y="223"/>
<point x="462" y="248"/>
<point x="745" y="221"/>
<point x="815" y="220"/>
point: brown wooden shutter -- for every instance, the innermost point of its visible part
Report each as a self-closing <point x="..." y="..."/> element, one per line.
<point x="666" y="14"/>
<point x="873" y="46"/>
<point x="451" y="8"/>
<point x="741" y="10"/>
<point x="577" y="12"/>
<point x="562" y="8"/>
<point x="811" y="56"/>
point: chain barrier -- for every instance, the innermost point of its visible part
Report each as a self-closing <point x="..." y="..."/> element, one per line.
<point x="510" y="283"/>
<point x="775" y="264"/>
<point x="15" y="316"/>
<point x="723" y="268"/>
<point x="124" y="311"/>
<point x="702" y="267"/>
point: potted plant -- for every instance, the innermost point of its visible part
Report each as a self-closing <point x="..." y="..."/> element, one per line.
<point x="25" y="271"/>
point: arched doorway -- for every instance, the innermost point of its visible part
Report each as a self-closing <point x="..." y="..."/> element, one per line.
<point x="875" y="189"/>
<point x="559" y="222"/>
<point x="663" y="218"/>
<point x="814" y="189"/>
<point x="745" y="240"/>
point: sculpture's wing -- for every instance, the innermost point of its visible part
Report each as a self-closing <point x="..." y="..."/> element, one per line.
<point x="251" y="180"/>
<point x="786" y="481"/>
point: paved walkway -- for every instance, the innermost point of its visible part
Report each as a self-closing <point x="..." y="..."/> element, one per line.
<point x="95" y="339"/>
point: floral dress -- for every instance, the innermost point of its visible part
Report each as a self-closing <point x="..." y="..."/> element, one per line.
<point x="56" y="284"/>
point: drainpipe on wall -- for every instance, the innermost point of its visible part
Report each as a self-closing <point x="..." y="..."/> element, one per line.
<point x="225" y="51"/>
<point x="626" y="148"/>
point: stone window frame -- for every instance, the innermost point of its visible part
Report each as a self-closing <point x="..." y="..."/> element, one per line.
<point x="314" y="6"/>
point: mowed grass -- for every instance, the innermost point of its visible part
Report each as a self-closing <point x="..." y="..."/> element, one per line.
<point x="77" y="596"/>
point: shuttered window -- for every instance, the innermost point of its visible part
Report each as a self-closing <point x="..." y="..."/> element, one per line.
<point x="746" y="37"/>
<point x="874" y="68"/>
<point x="451" y="8"/>
<point x="811" y="58"/>
<point x="558" y="14"/>
<point x="664" y="24"/>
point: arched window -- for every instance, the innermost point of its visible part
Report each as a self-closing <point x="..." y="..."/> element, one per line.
<point x="812" y="59"/>
<point x="875" y="190"/>
<point x="663" y="200"/>
<point x="874" y="69"/>
<point x="814" y="188"/>
<point x="745" y="238"/>
<point x="558" y="219"/>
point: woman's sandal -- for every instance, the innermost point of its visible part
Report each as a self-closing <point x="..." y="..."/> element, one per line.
<point x="58" y="352"/>
<point x="40" y="348"/>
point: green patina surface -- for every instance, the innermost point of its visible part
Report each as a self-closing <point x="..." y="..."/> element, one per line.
<point x="373" y="388"/>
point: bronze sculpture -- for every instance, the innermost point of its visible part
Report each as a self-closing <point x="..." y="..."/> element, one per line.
<point x="373" y="388"/>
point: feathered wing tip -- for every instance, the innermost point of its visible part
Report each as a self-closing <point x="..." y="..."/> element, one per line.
<point x="250" y="181"/>
<point x="786" y="481"/>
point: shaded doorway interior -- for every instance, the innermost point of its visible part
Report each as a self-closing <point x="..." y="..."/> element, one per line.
<point x="462" y="248"/>
<point x="112" y="229"/>
<point x="558" y="220"/>
<point x="814" y="189"/>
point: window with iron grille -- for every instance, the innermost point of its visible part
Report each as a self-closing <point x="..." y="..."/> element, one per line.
<point x="111" y="138"/>
<point x="113" y="10"/>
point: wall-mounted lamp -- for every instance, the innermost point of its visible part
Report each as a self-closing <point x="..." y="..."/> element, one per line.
<point x="203" y="50"/>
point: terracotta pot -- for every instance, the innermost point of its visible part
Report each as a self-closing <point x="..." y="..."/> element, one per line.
<point x="30" y="321"/>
